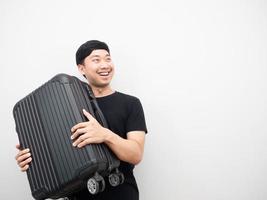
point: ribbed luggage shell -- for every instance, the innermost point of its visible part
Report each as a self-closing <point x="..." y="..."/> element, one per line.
<point x="43" y="122"/>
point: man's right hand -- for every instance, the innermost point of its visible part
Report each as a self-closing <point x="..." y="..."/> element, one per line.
<point x="23" y="158"/>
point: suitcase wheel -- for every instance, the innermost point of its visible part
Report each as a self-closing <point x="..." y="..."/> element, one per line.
<point x="96" y="184"/>
<point x="121" y="177"/>
<point x="116" y="179"/>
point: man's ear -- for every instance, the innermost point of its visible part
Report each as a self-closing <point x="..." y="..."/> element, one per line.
<point x="81" y="69"/>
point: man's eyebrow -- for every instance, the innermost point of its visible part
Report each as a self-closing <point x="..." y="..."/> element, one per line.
<point x="107" y="55"/>
<point x="95" y="56"/>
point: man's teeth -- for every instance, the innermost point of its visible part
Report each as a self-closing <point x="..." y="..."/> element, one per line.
<point x="104" y="73"/>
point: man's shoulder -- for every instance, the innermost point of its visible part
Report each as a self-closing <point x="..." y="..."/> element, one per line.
<point x="127" y="97"/>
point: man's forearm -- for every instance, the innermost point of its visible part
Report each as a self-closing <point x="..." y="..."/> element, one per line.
<point x="128" y="150"/>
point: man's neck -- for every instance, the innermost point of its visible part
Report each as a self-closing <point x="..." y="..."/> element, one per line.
<point x="102" y="91"/>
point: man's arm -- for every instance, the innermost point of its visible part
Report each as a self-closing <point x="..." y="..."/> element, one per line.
<point x="129" y="150"/>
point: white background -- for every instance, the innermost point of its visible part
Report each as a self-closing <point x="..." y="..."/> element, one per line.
<point x="198" y="67"/>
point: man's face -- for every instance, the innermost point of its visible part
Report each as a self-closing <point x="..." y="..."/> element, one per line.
<point x="98" y="68"/>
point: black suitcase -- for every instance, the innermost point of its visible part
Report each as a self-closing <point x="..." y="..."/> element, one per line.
<point x="43" y="121"/>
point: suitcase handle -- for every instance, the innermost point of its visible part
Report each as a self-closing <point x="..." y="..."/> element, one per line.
<point x="97" y="109"/>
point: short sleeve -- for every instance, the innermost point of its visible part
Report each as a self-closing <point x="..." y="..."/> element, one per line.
<point x="136" y="118"/>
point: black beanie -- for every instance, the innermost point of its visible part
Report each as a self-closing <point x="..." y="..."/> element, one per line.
<point x="87" y="48"/>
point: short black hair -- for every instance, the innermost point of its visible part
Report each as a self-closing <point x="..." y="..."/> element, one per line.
<point x="86" y="49"/>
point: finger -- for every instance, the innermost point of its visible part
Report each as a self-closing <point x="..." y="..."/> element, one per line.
<point x="77" y="126"/>
<point x="79" y="140"/>
<point x="25" y="162"/>
<point x="22" y="152"/>
<point x="23" y="157"/>
<point x="88" y="115"/>
<point x="85" y="142"/>
<point x="78" y="132"/>
<point x="24" y="168"/>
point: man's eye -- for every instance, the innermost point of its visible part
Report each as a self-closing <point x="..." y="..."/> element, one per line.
<point x="108" y="59"/>
<point x="96" y="60"/>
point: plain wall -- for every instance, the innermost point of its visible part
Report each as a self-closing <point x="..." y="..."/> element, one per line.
<point x="198" y="67"/>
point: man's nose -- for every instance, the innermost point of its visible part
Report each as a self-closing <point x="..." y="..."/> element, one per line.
<point x="104" y="64"/>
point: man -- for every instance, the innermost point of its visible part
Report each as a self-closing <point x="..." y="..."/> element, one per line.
<point x="125" y="117"/>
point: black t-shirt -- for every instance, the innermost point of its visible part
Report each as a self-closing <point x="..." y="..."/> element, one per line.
<point x="123" y="113"/>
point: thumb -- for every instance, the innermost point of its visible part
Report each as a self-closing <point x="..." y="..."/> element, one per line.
<point x="88" y="115"/>
<point x="18" y="146"/>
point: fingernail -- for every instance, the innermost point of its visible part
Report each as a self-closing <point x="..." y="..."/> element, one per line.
<point x="74" y="144"/>
<point x="71" y="137"/>
<point x="27" y="150"/>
